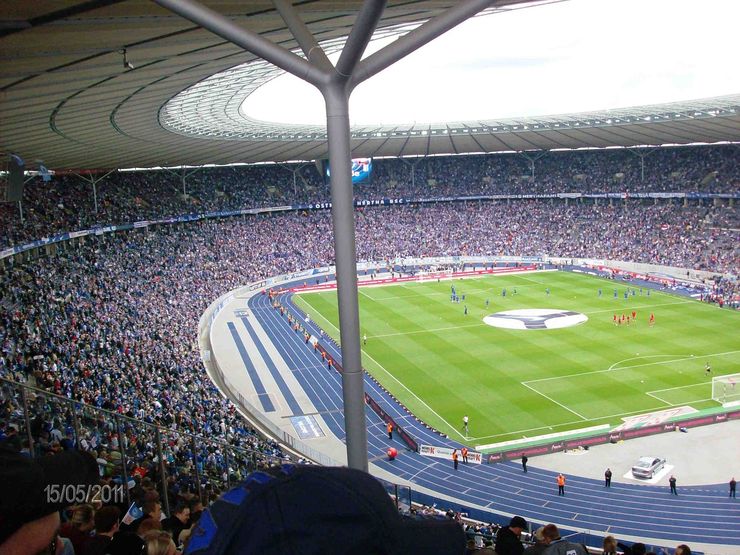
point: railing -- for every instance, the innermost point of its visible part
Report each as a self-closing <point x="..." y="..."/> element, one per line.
<point x="125" y="447"/>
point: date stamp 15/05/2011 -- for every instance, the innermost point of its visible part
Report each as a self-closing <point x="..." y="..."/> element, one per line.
<point x="84" y="493"/>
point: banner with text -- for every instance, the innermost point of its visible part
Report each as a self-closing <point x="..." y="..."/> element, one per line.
<point x="446" y="453"/>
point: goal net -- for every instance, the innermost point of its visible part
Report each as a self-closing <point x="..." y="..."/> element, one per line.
<point x="726" y="389"/>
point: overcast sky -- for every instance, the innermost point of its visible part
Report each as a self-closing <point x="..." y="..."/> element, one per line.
<point x="572" y="56"/>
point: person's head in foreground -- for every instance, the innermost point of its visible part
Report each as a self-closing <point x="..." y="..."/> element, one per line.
<point x="317" y="510"/>
<point x="29" y="504"/>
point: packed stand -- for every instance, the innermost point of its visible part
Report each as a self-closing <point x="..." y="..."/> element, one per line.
<point x="112" y="324"/>
<point x="67" y="202"/>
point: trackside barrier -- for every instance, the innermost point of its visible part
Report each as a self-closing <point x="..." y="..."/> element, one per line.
<point x="403" y="434"/>
<point x="373" y="404"/>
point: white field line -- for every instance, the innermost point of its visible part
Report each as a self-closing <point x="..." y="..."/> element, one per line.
<point x="615" y="415"/>
<point x="538" y="428"/>
<point x="554" y="401"/>
<point x="657" y="398"/>
<point x="415" y="395"/>
<point x="654" y="393"/>
<point x="397" y="380"/>
<point x="324" y="318"/>
<point x="533" y="280"/>
<point x="643" y="357"/>
<point x="612" y="367"/>
<point x="394" y="297"/>
<point x="361" y="292"/>
<point x="476" y="290"/>
<point x="680" y="387"/>
<point x="430" y="331"/>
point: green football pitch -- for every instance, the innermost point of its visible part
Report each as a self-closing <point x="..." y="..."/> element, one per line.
<point x="521" y="383"/>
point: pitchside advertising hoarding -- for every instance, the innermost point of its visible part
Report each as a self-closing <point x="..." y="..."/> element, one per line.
<point x="446" y="453"/>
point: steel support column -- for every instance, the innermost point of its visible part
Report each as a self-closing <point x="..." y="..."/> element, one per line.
<point x="27" y="420"/>
<point x="122" y="448"/>
<point x="343" y="220"/>
<point x="162" y="472"/>
<point x="336" y="85"/>
<point x="194" y="448"/>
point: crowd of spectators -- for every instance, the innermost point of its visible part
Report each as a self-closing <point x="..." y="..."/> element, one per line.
<point x="112" y="323"/>
<point x="278" y="509"/>
<point x="68" y="202"/>
<point x="108" y="326"/>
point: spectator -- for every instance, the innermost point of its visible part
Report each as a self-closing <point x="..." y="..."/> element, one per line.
<point x="106" y="525"/>
<point x="559" y="546"/>
<point x="508" y="539"/>
<point x="609" y="546"/>
<point x="177" y="522"/>
<point x="152" y="510"/>
<point x="79" y="527"/>
<point x="196" y="509"/>
<point x="315" y="509"/>
<point x="540" y="543"/>
<point x="29" y="518"/>
<point x="159" y="543"/>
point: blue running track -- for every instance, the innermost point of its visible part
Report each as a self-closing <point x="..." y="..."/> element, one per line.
<point x="488" y="492"/>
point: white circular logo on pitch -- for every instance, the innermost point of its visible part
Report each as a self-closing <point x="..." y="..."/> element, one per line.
<point x="535" y="319"/>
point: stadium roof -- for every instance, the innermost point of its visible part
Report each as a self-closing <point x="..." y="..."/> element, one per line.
<point x="97" y="84"/>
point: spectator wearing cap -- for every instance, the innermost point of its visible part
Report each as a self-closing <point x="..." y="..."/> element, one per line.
<point x="316" y="510"/>
<point x="106" y="525"/>
<point x="540" y="543"/>
<point x="559" y="546"/>
<point x="29" y="517"/>
<point x="79" y="526"/>
<point x="508" y="539"/>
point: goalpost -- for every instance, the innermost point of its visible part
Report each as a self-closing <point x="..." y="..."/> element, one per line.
<point x="726" y="390"/>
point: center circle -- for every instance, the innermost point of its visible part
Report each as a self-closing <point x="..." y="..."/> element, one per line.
<point x="535" y="319"/>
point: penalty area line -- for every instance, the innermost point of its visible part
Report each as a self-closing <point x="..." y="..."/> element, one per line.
<point x="553" y="401"/>
<point x="615" y="368"/>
